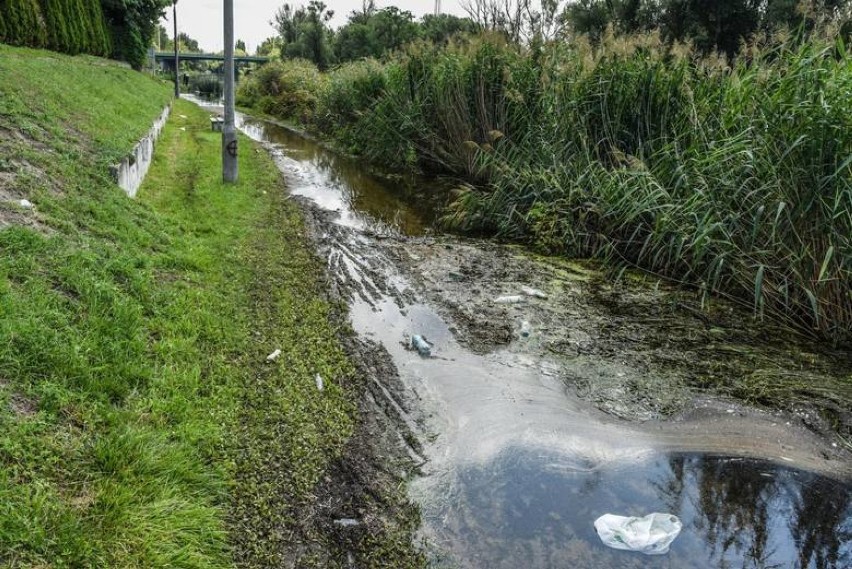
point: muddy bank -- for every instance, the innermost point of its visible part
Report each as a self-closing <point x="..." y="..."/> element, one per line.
<point x="636" y="347"/>
<point x="506" y="458"/>
<point x="653" y="366"/>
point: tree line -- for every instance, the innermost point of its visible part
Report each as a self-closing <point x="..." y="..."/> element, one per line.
<point x="304" y="31"/>
<point x="717" y="25"/>
<point x="122" y="29"/>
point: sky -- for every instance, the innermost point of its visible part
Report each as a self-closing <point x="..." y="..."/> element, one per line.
<point x="202" y="19"/>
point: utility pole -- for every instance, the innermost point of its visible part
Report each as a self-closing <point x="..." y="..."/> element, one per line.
<point x="437" y="7"/>
<point x="177" y="57"/>
<point x="230" y="168"/>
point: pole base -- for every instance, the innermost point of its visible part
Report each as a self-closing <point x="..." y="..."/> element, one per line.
<point x="230" y="164"/>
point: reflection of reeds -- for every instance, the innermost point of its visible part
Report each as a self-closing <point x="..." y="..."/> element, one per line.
<point x="733" y="177"/>
<point x="207" y="85"/>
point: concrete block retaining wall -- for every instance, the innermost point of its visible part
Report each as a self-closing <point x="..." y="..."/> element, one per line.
<point x="130" y="172"/>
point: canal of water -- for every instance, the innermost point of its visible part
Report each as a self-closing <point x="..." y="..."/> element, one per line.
<point x="517" y="467"/>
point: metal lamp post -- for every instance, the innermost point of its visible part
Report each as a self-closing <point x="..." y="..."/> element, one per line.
<point x="230" y="168"/>
<point x="177" y="57"/>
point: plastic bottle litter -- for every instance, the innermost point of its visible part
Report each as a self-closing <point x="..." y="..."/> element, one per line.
<point x="320" y="384"/>
<point x="420" y="344"/>
<point x="26" y="204"/>
<point x="526" y="329"/>
<point x="533" y="292"/>
<point x="273" y="356"/>
<point x="510" y="299"/>
<point x="651" y="535"/>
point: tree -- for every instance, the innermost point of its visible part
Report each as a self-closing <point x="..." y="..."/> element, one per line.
<point x="100" y="40"/>
<point x="439" y="29"/>
<point x="392" y="28"/>
<point x="305" y="33"/>
<point x="518" y="20"/>
<point x="269" y="47"/>
<point x="353" y="42"/>
<point x="186" y="43"/>
<point x="56" y="21"/>
<point x="240" y="46"/>
<point x="24" y="23"/>
<point x="132" y="24"/>
<point x="2" y="24"/>
<point x="626" y="16"/>
<point x="710" y="24"/>
<point x="161" y="39"/>
<point x="373" y="33"/>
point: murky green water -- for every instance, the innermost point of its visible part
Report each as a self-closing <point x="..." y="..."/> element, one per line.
<point x="364" y="198"/>
<point x="517" y="469"/>
<point x="528" y="509"/>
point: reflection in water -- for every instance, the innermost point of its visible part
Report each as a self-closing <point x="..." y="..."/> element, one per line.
<point x="528" y="509"/>
<point x="404" y="205"/>
<point x="534" y="509"/>
<point x="365" y="199"/>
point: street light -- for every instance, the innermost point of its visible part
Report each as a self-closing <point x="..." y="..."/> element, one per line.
<point x="230" y="168"/>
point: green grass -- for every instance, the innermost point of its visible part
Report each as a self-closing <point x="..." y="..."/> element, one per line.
<point x="139" y="423"/>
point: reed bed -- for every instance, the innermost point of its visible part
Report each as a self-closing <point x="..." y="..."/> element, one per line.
<point x="733" y="177"/>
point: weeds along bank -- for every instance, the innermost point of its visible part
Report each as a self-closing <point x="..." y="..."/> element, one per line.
<point x="735" y="178"/>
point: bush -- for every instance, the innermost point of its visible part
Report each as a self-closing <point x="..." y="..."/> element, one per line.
<point x="288" y="90"/>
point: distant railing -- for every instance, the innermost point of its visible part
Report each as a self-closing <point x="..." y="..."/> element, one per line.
<point x="170" y="55"/>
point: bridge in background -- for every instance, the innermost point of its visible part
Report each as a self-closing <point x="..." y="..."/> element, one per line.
<point x="168" y="57"/>
<point x="165" y="60"/>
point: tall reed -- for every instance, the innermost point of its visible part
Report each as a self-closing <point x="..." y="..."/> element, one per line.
<point x="733" y="177"/>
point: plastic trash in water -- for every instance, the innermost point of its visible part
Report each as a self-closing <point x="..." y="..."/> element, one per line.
<point x="526" y="329"/>
<point x="510" y="299"/>
<point x="529" y="291"/>
<point x="420" y="344"/>
<point x="320" y="383"/>
<point x="273" y="356"/>
<point x="651" y="535"/>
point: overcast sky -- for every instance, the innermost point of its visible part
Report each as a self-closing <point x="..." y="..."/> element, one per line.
<point x="202" y="19"/>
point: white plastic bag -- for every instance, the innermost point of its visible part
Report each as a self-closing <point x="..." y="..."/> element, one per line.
<point x="651" y="535"/>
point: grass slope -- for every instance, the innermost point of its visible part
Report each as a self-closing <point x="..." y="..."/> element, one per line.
<point x="139" y="423"/>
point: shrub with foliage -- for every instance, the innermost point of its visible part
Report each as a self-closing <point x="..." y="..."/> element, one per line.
<point x="288" y="89"/>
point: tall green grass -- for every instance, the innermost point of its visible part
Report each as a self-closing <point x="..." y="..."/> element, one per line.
<point x="733" y="177"/>
<point x="140" y="425"/>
